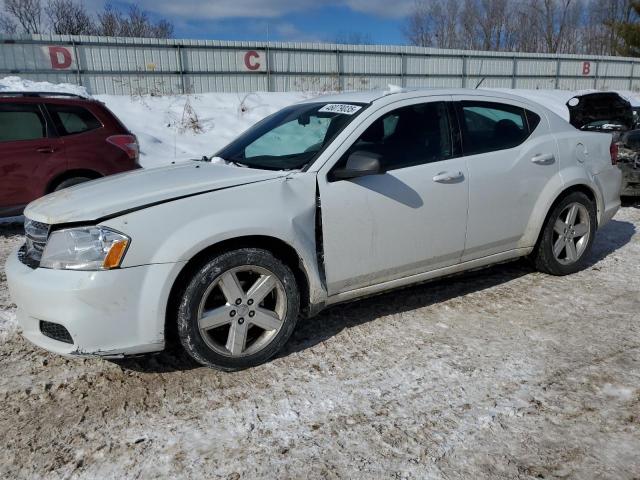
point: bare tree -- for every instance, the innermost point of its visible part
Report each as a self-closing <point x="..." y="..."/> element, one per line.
<point x="434" y="24"/>
<point x="27" y="13"/>
<point x="109" y="21"/>
<point x="136" y="23"/>
<point x="69" y="18"/>
<point x="551" y="26"/>
<point x="7" y="25"/>
<point x="557" y="18"/>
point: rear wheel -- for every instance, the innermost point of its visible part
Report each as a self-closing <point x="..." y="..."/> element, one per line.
<point x="70" y="182"/>
<point x="567" y="236"/>
<point x="238" y="309"/>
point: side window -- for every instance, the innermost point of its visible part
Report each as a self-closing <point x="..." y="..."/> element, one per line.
<point x="72" y="119"/>
<point x="21" y="122"/>
<point x="533" y="119"/>
<point x="408" y="136"/>
<point x="489" y="126"/>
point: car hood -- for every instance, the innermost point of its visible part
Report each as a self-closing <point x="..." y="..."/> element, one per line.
<point x="126" y="192"/>
<point x="600" y="106"/>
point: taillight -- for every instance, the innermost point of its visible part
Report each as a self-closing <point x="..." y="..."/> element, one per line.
<point x="613" y="149"/>
<point x="127" y="143"/>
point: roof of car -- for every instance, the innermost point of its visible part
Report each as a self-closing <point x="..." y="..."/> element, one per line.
<point x="399" y="93"/>
<point x="47" y="95"/>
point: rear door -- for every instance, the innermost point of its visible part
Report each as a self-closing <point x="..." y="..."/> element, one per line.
<point x="511" y="156"/>
<point x="30" y="153"/>
<point x="84" y="136"/>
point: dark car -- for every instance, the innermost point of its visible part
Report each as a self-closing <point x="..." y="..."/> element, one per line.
<point x="49" y="141"/>
<point x="608" y="112"/>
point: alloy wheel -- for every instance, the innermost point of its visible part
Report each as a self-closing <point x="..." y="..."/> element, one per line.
<point x="242" y="311"/>
<point x="571" y="233"/>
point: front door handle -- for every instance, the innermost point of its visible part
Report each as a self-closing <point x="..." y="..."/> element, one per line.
<point x="448" y="177"/>
<point x="45" y="150"/>
<point x="543" y="159"/>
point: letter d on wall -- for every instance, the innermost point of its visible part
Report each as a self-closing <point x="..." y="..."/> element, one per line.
<point x="61" y="58"/>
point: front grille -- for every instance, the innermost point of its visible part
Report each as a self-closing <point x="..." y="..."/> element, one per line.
<point x="55" y="331"/>
<point x="31" y="252"/>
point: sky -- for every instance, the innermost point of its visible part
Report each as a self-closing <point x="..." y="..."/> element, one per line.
<point x="279" y="20"/>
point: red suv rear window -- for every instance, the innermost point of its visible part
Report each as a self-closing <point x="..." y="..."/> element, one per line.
<point x="71" y="119"/>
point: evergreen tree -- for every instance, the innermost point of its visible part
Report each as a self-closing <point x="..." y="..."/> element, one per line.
<point x="629" y="32"/>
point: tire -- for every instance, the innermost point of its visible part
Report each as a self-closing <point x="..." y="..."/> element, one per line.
<point x="70" y="182"/>
<point x="238" y="309"/>
<point x="571" y="221"/>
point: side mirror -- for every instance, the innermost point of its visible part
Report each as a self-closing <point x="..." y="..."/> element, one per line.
<point x="359" y="164"/>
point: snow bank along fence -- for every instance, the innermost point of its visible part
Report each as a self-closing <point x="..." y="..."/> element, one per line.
<point x="106" y="65"/>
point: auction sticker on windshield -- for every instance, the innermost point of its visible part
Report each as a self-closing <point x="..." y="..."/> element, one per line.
<point x="343" y="108"/>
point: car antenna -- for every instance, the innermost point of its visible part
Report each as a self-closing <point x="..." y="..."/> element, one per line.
<point x="480" y="82"/>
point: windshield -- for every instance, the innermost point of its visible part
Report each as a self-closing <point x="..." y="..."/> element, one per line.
<point x="291" y="138"/>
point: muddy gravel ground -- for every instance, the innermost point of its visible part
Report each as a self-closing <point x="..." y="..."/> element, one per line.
<point x="501" y="373"/>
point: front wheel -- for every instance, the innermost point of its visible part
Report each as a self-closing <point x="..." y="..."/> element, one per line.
<point x="567" y="236"/>
<point x="238" y="309"/>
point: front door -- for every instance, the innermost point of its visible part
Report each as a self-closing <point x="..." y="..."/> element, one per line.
<point x="410" y="219"/>
<point x="27" y="154"/>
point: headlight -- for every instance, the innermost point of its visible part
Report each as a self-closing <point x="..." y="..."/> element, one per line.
<point x="84" y="248"/>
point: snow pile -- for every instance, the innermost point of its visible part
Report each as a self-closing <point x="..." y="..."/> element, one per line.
<point x="181" y="127"/>
<point x="393" y="89"/>
<point x="17" y="84"/>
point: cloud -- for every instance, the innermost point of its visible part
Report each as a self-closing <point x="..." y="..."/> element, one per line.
<point x="221" y="9"/>
<point x="382" y="8"/>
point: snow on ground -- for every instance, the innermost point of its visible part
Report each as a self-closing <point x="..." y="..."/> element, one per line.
<point x="501" y="373"/>
<point x="182" y="127"/>
<point x="497" y="374"/>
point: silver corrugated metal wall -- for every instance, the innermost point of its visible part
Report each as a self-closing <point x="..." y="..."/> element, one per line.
<point x="140" y="66"/>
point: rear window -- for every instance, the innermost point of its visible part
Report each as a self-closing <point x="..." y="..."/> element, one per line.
<point x="489" y="126"/>
<point x="71" y="119"/>
<point x="21" y="122"/>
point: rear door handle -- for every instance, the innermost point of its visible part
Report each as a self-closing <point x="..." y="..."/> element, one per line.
<point x="448" y="177"/>
<point x="543" y="159"/>
<point x="45" y="150"/>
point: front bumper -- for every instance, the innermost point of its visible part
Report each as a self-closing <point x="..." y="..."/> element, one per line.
<point x="107" y="313"/>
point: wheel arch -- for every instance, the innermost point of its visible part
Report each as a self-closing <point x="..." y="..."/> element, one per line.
<point x="67" y="174"/>
<point x="279" y="248"/>
<point x="577" y="187"/>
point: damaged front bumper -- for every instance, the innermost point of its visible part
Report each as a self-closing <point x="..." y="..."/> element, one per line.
<point x="112" y="313"/>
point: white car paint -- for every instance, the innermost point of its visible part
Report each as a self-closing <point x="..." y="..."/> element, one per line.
<point x="377" y="232"/>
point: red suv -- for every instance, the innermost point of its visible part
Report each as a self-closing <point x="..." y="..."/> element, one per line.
<point x="50" y="141"/>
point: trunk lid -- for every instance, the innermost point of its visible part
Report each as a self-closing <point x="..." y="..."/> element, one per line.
<point x="600" y="111"/>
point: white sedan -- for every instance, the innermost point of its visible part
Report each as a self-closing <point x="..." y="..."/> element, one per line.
<point x="325" y="201"/>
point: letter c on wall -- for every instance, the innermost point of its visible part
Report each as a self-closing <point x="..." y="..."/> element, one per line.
<point x="250" y="60"/>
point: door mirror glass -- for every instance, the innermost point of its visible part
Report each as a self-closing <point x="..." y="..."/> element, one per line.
<point x="359" y="164"/>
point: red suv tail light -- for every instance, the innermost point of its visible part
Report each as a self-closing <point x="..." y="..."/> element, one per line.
<point x="613" y="149"/>
<point x="127" y="143"/>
